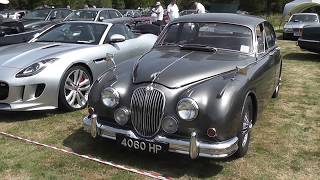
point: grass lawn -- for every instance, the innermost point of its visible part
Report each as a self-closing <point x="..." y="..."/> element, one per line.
<point x="285" y="141"/>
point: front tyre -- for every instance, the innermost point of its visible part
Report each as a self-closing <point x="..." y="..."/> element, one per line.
<point x="246" y="125"/>
<point x="74" y="89"/>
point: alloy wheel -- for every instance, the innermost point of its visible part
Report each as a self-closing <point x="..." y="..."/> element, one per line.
<point x="76" y="88"/>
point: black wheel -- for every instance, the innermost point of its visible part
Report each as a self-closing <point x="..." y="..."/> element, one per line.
<point x="74" y="89"/>
<point x="246" y="125"/>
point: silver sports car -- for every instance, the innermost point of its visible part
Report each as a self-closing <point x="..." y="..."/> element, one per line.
<point x="57" y="67"/>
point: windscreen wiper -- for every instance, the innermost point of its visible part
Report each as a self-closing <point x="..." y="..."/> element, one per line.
<point x="198" y="47"/>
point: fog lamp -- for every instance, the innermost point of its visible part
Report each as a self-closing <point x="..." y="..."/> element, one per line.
<point x="170" y="125"/>
<point x="121" y="116"/>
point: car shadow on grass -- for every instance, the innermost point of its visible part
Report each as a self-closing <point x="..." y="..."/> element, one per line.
<point x="8" y="116"/>
<point x="304" y="56"/>
<point x="168" y="164"/>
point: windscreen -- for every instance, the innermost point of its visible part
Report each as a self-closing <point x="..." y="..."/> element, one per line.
<point x="216" y="35"/>
<point x="40" y="14"/>
<point x="78" y="33"/>
<point x="304" y="18"/>
<point x="83" y="15"/>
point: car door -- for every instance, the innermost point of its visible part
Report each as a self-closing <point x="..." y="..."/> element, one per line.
<point x="274" y="52"/>
<point x="122" y="50"/>
<point x="264" y="73"/>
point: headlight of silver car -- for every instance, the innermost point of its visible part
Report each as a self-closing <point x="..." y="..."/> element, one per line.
<point x="110" y="97"/>
<point x="35" y="68"/>
<point x="187" y="109"/>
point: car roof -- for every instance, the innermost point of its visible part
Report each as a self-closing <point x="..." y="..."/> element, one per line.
<point x="96" y="9"/>
<point x="86" y="22"/>
<point x="240" y="19"/>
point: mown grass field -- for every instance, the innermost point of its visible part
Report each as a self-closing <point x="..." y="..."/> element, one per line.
<point x="285" y="142"/>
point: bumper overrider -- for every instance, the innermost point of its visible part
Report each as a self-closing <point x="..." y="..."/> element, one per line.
<point x="191" y="146"/>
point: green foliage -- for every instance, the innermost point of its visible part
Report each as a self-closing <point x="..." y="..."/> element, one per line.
<point x="252" y="6"/>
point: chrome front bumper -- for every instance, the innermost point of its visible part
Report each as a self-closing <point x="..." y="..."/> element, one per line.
<point x="192" y="147"/>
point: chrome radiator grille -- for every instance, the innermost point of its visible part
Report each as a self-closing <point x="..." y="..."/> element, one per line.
<point x="147" y="106"/>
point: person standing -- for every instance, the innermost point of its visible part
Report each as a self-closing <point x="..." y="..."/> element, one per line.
<point x="173" y="10"/>
<point x="200" y="9"/>
<point x="159" y="12"/>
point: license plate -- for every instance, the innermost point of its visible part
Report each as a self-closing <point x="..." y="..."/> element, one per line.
<point x="141" y="145"/>
<point x="297" y="33"/>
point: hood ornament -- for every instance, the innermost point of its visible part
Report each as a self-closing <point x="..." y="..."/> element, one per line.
<point x="154" y="76"/>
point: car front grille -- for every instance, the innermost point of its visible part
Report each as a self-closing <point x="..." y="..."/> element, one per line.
<point x="147" y="106"/>
<point x="4" y="90"/>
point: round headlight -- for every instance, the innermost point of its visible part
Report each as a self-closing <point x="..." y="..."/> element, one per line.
<point x="170" y="125"/>
<point x="110" y="97"/>
<point x="187" y="109"/>
<point x="121" y="116"/>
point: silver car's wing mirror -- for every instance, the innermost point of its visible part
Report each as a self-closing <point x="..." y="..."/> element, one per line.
<point x="117" y="38"/>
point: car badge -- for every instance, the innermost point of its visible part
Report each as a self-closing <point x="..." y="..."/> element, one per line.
<point x="149" y="88"/>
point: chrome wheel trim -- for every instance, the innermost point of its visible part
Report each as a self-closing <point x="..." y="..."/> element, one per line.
<point x="76" y="88"/>
<point x="246" y="126"/>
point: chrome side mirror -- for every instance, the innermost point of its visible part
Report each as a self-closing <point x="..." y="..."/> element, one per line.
<point x="101" y="19"/>
<point x="117" y="38"/>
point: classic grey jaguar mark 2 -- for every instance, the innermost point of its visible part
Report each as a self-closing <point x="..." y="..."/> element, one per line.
<point x="198" y="92"/>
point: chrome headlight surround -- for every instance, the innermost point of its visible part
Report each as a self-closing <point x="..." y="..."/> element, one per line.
<point x="110" y="97"/>
<point x="170" y="125"/>
<point x="35" y="68"/>
<point x="187" y="109"/>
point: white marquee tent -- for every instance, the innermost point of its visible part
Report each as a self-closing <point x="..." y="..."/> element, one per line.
<point x="299" y="6"/>
<point x="4" y="1"/>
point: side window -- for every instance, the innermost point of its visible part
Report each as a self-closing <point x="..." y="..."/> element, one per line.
<point x="270" y="35"/>
<point x="104" y="15"/>
<point x="61" y="14"/>
<point x="130" y="34"/>
<point x="116" y="29"/>
<point x="260" y="38"/>
<point x="114" y="14"/>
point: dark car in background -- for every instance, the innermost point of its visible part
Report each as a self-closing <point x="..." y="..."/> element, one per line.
<point x="137" y="15"/>
<point x="293" y="28"/>
<point x="99" y="15"/>
<point x="40" y="18"/>
<point x="19" y="31"/>
<point x="198" y="92"/>
<point x="310" y="38"/>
